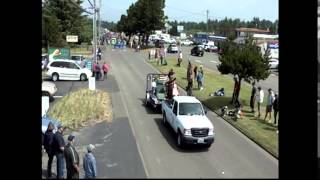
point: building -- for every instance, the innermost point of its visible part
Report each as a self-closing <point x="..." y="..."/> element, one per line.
<point x="246" y="32"/>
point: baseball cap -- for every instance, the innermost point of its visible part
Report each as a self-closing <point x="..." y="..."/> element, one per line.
<point x="71" y="137"/>
<point x="90" y="147"/>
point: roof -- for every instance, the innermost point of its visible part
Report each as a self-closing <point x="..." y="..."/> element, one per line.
<point x="252" y="30"/>
<point x="186" y="99"/>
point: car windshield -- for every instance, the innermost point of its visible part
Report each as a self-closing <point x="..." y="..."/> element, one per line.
<point x="75" y="57"/>
<point x="190" y="109"/>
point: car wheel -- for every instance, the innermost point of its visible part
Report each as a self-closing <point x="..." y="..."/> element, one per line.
<point x="164" y="119"/>
<point x="179" y="140"/>
<point x="55" y="77"/>
<point x="83" y="77"/>
<point x="146" y="102"/>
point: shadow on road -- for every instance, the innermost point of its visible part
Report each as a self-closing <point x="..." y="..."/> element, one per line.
<point x="169" y="134"/>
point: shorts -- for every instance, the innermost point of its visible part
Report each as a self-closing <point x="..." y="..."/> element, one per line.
<point x="269" y="108"/>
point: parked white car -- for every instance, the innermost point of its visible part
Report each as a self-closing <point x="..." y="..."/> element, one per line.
<point x="67" y="70"/>
<point x="273" y="63"/>
<point x="186" y="42"/>
<point x="48" y="89"/>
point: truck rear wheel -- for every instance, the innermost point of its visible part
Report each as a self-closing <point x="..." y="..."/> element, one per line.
<point x="179" y="140"/>
<point x="164" y="119"/>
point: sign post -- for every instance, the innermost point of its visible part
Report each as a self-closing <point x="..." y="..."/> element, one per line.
<point x="92" y="83"/>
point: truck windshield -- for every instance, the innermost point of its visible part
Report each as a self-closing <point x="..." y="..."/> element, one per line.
<point x="190" y="109"/>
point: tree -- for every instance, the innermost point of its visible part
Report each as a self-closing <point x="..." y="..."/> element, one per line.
<point x="244" y="62"/>
<point x="61" y="18"/>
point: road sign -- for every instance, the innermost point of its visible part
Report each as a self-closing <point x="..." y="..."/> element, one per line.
<point x="179" y="28"/>
<point x="92" y="83"/>
<point x="72" y="38"/>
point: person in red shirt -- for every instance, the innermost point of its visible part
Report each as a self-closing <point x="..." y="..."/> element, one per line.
<point x="105" y="69"/>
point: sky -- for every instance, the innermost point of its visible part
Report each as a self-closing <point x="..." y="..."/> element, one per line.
<point x="195" y="10"/>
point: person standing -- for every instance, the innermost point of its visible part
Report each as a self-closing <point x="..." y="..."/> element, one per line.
<point x="94" y="69"/>
<point x="98" y="71"/>
<point x="105" y="68"/>
<point x="47" y="143"/>
<point x="259" y="99"/>
<point x="190" y="79"/>
<point x="253" y="95"/>
<point x="195" y="71"/>
<point x="200" y="78"/>
<point x="72" y="159"/>
<point x="270" y="100"/>
<point x="58" y="147"/>
<point x="89" y="163"/>
<point x="275" y="107"/>
<point x="179" y="58"/>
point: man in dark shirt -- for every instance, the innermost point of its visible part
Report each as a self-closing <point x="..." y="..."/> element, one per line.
<point x="58" y="146"/>
<point x="253" y="96"/>
<point x="72" y="159"/>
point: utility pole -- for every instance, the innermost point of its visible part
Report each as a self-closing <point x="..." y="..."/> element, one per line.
<point x="99" y="21"/>
<point x="94" y="32"/>
<point x="207" y="21"/>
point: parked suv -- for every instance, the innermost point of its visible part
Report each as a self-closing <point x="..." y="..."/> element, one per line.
<point x="197" y="50"/>
<point x="67" y="70"/>
<point x="172" y="48"/>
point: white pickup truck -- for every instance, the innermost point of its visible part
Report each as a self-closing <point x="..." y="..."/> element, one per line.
<point x="188" y="119"/>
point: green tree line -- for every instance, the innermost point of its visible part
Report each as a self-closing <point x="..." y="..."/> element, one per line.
<point x="225" y="27"/>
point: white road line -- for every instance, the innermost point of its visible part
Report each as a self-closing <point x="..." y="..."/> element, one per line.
<point x="57" y="96"/>
<point x="214" y="62"/>
<point x="198" y="61"/>
<point x="133" y="132"/>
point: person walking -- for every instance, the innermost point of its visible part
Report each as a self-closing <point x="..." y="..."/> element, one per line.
<point x="47" y="143"/>
<point x="58" y="147"/>
<point x="259" y="99"/>
<point x="200" y="78"/>
<point x="190" y="79"/>
<point x="179" y="58"/>
<point x="72" y="159"/>
<point x="89" y="163"/>
<point x="94" y="69"/>
<point x="105" y="68"/>
<point x="253" y="95"/>
<point x="270" y="99"/>
<point x="275" y="107"/>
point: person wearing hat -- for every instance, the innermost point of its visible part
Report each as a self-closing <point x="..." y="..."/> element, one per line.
<point x="48" y="140"/>
<point x="89" y="163"/>
<point x="58" y="145"/>
<point x="72" y="159"/>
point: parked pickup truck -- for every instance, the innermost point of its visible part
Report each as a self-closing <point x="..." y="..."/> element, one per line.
<point x="188" y="119"/>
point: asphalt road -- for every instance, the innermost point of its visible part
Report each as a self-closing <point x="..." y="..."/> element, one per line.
<point x="211" y="60"/>
<point x="231" y="156"/>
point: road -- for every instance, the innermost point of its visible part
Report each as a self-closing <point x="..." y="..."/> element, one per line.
<point x="232" y="155"/>
<point x="211" y="60"/>
<point x="140" y="146"/>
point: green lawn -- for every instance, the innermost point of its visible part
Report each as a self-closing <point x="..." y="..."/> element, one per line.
<point x="260" y="131"/>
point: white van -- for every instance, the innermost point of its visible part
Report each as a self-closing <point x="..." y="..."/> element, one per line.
<point x="67" y="70"/>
